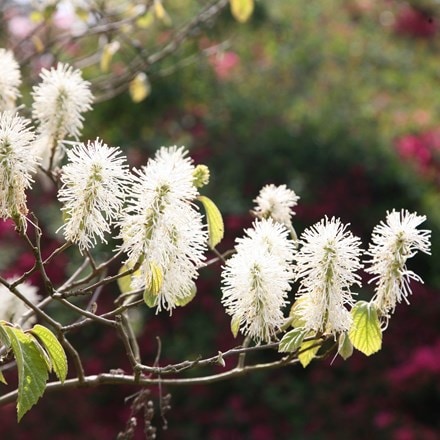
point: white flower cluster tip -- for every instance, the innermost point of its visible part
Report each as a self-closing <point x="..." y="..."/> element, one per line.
<point x="393" y="242"/>
<point x="94" y="184"/>
<point x="163" y="229"/>
<point x="17" y="163"/>
<point x="257" y="278"/>
<point x="276" y="202"/>
<point x="60" y="100"/>
<point x="326" y="267"/>
<point x="10" y="80"/>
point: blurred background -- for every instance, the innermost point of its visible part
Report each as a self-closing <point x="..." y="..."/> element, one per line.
<point x="340" y="100"/>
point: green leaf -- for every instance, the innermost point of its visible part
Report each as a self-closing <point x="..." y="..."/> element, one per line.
<point x="365" y="333"/>
<point x="292" y="340"/>
<point x="187" y="299"/>
<point x="54" y="349"/>
<point x="32" y="369"/>
<point x="235" y="326"/>
<point x="242" y="9"/>
<point x="345" y="347"/>
<point x="307" y="351"/>
<point x="214" y="218"/>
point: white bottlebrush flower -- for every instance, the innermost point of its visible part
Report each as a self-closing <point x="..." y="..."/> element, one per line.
<point x="162" y="228"/>
<point x="59" y="103"/>
<point x="257" y="278"/>
<point x="93" y="191"/>
<point x="326" y="266"/>
<point x="392" y="243"/>
<point x="10" y="80"/>
<point x="12" y="308"/>
<point x="276" y="202"/>
<point x="17" y="163"/>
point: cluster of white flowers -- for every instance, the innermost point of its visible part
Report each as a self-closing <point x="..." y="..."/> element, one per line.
<point x="162" y="230"/>
<point x="326" y="267"/>
<point x="12" y="308"/>
<point x="60" y="99"/>
<point x="276" y="202"/>
<point x="17" y="163"/>
<point x="257" y="278"/>
<point x="94" y="187"/>
<point x="393" y="242"/>
<point x="10" y="80"/>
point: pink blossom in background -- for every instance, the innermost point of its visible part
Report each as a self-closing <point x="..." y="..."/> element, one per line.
<point x="20" y="26"/>
<point x="421" y="150"/>
<point x="423" y="360"/>
<point x="415" y="23"/>
<point x="224" y="64"/>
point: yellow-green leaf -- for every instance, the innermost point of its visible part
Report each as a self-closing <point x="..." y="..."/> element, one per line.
<point x="161" y="14"/>
<point x="242" y="9"/>
<point x="292" y="340"/>
<point x="124" y="283"/>
<point x="107" y="55"/>
<point x="307" y="351"/>
<point x="181" y="302"/>
<point x="297" y="320"/>
<point x="153" y="285"/>
<point x="54" y="349"/>
<point x="2" y="378"/>
<point x="365" y="333"/>
<point x="139" y="87"/>
<point x="82" y="14"/>
<point x="146" y="20"/>
<point x="345" y="347"/>
<point x="32" y="369"/>
<point x="235" y="326"/>
<point x="214" y="218"/>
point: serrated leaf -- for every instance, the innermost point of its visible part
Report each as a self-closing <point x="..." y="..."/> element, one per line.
<point x="297" y="320"/>
<point x="214" y="218"/>
<point x="181" y="302"/>
<point x="31" y="367"/>
<point x="43" y="353"/>
<point x="54" y="349"/>
<point x="153" y="285"/>
<point x="292" y="340"/>
<point x="4" y="338"/>
<point x="242" y="9"/>
<point x="307" y="351"/>
<point x="235" y="326"/>
<point x="139" y="87"/>
<point x="345" y="347"/>
<point x="365" y="333"/>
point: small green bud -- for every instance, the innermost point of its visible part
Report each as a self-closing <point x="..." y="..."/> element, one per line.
<point x="201" y="176"/>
